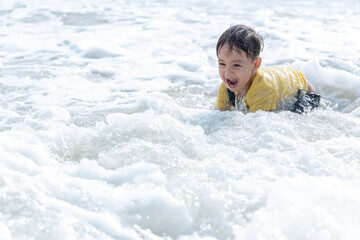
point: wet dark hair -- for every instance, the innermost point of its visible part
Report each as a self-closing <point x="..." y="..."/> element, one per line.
<point x="241" y="38"/>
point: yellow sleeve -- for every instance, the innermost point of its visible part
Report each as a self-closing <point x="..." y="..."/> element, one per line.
<point x="262" y="98"/>
<point x="223" y="97"/>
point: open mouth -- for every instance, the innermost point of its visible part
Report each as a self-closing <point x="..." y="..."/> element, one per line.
<point x="232" y="83"/>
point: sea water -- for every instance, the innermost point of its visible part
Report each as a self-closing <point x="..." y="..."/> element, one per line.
<point x="108" y="125"/>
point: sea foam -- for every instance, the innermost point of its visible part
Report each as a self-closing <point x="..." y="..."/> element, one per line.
<point x="109" y="127"/>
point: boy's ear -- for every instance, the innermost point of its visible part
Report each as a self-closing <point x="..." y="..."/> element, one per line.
<point x="257" y="64"/>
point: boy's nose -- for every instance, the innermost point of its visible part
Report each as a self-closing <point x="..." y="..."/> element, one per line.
<point x="229" y="74"/>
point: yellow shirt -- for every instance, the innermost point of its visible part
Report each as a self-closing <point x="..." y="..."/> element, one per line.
<point x="272" y="88"/>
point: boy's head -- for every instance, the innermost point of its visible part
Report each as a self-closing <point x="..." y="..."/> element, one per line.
<point x="241" y="38"/>
<point x="238" y="51"/>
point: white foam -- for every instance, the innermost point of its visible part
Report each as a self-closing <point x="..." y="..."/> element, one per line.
<point x="328" y="81"/>
<point x="108" y="127"/>
<point x="51" y="113"/>
<point x="317" y="218"/>
<point x="5" y="233"/>
<point x="97" y="52"/>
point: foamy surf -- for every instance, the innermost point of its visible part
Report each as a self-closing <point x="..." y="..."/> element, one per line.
<point x="108" y="128"/>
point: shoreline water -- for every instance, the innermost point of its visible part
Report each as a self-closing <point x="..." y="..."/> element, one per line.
<point x="108" y="128"/>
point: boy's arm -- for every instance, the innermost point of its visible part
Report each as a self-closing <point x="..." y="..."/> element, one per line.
<point x="223" y="98"/>
<point x="223" y="108"/>
<point x="311" y="88"/>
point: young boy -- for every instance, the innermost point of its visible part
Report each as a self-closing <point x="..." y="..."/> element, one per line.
<point x="248" y="87"/>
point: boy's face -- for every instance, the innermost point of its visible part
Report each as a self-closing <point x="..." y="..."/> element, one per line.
<point x="236" y="70"/>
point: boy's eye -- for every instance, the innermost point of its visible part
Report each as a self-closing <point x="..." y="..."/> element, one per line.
<point x="237" y="65"/>
<point x="222" y="64"/>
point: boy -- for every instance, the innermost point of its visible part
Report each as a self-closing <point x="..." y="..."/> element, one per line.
<point x="248" y="87"/>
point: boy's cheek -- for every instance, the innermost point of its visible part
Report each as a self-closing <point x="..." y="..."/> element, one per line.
<point x="221" y="73"/>
<point x="222" y="78"/>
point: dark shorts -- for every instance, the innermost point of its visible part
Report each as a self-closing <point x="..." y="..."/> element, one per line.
<point x="305" y="102"/>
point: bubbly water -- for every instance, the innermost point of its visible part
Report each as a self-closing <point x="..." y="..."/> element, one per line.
<point x="109" y="128"/>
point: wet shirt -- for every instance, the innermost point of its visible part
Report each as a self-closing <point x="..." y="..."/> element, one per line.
<point x="272" y="88"/>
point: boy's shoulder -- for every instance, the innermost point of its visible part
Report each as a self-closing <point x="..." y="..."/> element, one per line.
<point x="271" y="75"/>
<point x="277" y="70"/>
<point x="282" y="80"/>
<point x="271" y="78"/>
